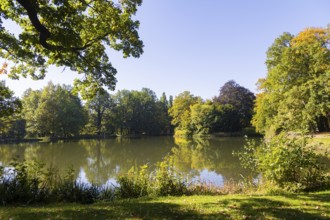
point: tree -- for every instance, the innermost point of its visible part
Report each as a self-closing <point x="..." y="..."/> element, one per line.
<point x="227" y="119"/>
<point x="203" y="118"/>
<point x="181" y="112"/>
<point x="295" y="93"/>
<point x="72" y="34"/>
<point x="10" y="107"/>
<point x="30" y="102"/>
<point x="97" y="109"/>
<point x="240" y="98"/>
<point x="139" y="112"/>
<point x="53" y="111"/>
<point x="9" y="104"/>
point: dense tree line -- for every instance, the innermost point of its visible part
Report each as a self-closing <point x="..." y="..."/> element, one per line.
<point x="128" y="113"/>
<point x="230" y="111"/>
<point x="55" y="111"/>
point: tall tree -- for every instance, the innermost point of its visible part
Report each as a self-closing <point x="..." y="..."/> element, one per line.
<point x="53" y="111"/>
<point x="72" y="34"/>
<point x="240" y="98"/>
<point x="10" y="106"/>
<point x="139" y="112"/>
<point x="97" y="109"/>
<point x="181" y="112"/>
<point x="295" y="93"/>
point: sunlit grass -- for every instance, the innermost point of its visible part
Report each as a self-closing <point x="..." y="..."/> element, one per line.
<point x="289" y="206"/>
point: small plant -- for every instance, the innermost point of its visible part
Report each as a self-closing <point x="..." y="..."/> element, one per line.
<point x="135" y="183"/>
<point x="167" y="181"/>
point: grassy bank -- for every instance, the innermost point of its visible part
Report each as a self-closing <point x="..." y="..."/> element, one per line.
<point x="290" y="206"/>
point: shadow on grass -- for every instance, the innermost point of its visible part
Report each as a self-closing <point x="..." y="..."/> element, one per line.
<point x="277" y="207"/>
<point x="124" y="210"/>
<point x="264" y="208"/>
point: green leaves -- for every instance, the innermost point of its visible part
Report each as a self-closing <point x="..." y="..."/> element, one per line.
<point x="8" y="103"/>
<point x="74" y="34"/>
<point x="295" y="93"/>
<point x="289" y="162"/>
<point x="53" y="111"/>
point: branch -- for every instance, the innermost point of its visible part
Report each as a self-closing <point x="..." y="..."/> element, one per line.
<point x="45" y="34"/>
<point x="33" y="16"/>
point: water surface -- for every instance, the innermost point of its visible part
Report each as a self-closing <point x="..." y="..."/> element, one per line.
<point x="101" y="161"/>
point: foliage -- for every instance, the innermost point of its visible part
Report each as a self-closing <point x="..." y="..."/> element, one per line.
<point x="287" y="162"/>
<point x="167" y="180"/>
<point x="241" y="100"/>
<point x="227" y="119"/>
<point x="164" y="181"/>
<point x="10" y="107"/>
<point x="74" y="34"/>
<point x="30" y="182"/>
<point x="231" y="111"/>
<point x="139" y="112"/>
<point x="9" y="104"/>
<point x="203" y="118"/>
<point x="98" y="113"/>
<point x="295" y="93"/>
<point x="180" y="112"/>
<point x="53" y="111"/>
<point x="135" y="183"/>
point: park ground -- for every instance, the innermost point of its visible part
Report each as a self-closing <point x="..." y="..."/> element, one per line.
<point x="289" y="206"/>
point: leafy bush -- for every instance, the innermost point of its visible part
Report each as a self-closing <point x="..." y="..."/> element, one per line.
<point x="165" y="180"/>
<point x="134" y="184"/>
<point x="288" y="162"/>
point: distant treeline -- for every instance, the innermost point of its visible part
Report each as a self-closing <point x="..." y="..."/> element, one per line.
<point x="55" y="111"/>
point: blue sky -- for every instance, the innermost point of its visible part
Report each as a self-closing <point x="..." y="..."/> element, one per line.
<point x="199" y="45"/>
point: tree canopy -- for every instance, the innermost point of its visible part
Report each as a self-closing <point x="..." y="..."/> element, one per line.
<point x="295" y="93"/>
<point x="241" y="100"/>
<point x="73" y="34"/>
<point x="10" y="107"/>
<point x="53" y="111"/>
<point x="8" y="103"/>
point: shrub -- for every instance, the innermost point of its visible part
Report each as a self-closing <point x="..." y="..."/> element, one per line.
<point x="165" y="180"/>
<point x="134" y="184"/>
<point x="288" y="162"/>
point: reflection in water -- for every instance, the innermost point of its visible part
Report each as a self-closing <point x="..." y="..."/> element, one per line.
<point x="100" y="161"/>
<point x="196" y="156"/>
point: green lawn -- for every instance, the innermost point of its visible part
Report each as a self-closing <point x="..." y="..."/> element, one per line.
<point x="291" y="206"/>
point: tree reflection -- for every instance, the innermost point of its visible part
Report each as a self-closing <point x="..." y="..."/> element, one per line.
<point x="192" y="156"/>
<point x="108" y="158"/>
<point x="102" y="160"/>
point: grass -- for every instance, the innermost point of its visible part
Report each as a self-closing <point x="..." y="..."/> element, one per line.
<point x="289" y="206"/>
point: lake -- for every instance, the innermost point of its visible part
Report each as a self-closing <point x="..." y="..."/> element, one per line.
<point x="100" y="161"/>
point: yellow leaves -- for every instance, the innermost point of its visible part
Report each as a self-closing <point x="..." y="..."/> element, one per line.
<point x="309" y="36"/>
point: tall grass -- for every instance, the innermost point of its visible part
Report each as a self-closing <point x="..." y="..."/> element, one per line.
<point x="30" y="182"/>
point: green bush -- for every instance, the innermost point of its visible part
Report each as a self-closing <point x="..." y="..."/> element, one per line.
<point x="288" y="162"/>
<point x="134" y="184"/>
<point x="167" y="181"/>
<point x="164" y="181"/>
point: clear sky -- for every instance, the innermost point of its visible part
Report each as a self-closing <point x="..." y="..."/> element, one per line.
<point x="199" y="45"/>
